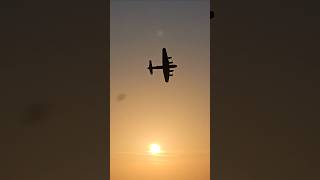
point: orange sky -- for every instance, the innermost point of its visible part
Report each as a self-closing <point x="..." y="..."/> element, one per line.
<point x="145" y="109"/>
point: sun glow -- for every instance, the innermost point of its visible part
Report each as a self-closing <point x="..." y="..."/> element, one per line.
<point x="154" y="149"/>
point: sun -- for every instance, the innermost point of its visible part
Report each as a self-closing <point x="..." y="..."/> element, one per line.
<point x="154" y="149"/>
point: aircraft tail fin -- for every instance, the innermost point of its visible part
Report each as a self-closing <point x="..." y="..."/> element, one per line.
<point x="150" y="67"/>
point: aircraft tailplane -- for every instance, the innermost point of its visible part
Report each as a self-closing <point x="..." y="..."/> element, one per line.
<point x="150" y="67"/>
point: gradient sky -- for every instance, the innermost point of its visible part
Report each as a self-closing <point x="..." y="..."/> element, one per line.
<point x="145" y="109"/>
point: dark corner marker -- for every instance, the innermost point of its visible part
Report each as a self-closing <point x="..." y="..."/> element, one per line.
<point x="211" y="14"/>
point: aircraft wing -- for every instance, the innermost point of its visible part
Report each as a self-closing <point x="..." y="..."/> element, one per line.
<point x="165" y="58"/>
<point x="166" y="75"/>
<point x="164" y="53"/>
<point x="166" y="65"/>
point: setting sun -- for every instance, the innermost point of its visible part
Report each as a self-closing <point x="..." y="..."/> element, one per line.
<point x="154" y="149"/>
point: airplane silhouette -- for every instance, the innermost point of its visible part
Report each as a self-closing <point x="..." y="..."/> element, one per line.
<point x="166" y="65"/>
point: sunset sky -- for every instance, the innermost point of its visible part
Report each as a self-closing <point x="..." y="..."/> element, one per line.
<point x="144" y="109"/>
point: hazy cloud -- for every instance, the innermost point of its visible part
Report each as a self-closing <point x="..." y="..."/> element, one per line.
<point x="121" y="97"/>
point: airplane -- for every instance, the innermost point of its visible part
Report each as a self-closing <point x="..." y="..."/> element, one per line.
<point x="166" y="65"/>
